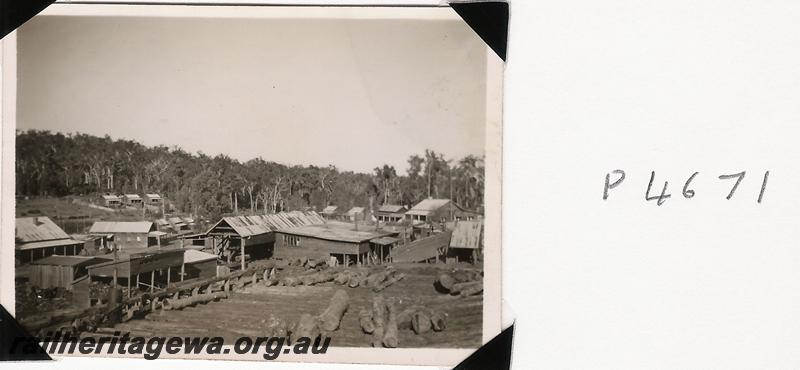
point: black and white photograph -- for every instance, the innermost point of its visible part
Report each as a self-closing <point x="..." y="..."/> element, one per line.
<point x="329" y="174"/>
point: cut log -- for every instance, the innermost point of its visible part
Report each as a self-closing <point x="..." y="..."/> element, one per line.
<point x="420" y="322"/>
<point x="390" y="329"/>
<point x="378" y="314"/>
<point x="447" y="280"/>
<point x="365" y="319"/>
<point x="342" y="277"/>
<point x="277" y="327"/>
<point x="458" y="287"/>
<point x="393" y="279"/>
<point x="355" y="279"/>
<point x="472" y="290"/>
<point x="302" y="261"/>
<point x="377" y="278"/>
<point x="438" y="321"/>
<point x="316" y="278"/>
<point x="330" y="319"/>
<point x="181" y="303"/>
<point x="306" y="327"/>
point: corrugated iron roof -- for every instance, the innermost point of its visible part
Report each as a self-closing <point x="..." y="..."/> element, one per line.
<point x="47" y="244"/>
<point x="34" y="229"/>
<point x="330" y="232"/>
<point x="261" y="224"/>
<point x="69" y="260"/>
<point x="392" y="208"/>
<point x="467" y="234"/>
<point x="329" y="209"/>
<point x="132" y="196"/>
<point x="110" y="227"/>
<point x="386" y="240"/>
<point x="355" y="210"/>
<point x="110" y="197"/>
<point x="152" y="196"/>
<point x="427" y="206"/>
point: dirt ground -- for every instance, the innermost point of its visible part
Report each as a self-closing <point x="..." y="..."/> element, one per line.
<point x="247" y="311"/>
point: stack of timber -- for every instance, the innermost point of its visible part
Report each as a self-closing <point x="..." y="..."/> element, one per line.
<point x="461" y="282"/>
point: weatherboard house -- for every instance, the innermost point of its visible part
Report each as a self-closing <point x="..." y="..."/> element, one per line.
<point x="130" y="234"/>
<point x="391" y="213"/>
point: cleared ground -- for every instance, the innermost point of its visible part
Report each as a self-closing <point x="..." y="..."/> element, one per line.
<point x="246" y="312"/>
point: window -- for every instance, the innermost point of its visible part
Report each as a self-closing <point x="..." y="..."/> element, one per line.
<point x="291" y="240"/>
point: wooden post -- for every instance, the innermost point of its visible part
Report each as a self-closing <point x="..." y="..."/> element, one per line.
<point x="183" y="270"/>
<point x="74" y="248"/>
<point x="137" y="280"/>
<point x="115" y="278"/>
<point x="168" y="275"/>
<point x="152" y="280"/>
<point x="129" y="285"/>
<point x="243" y="262"/>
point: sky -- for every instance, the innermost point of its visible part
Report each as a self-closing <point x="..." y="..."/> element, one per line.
<point x="352" y="93"/>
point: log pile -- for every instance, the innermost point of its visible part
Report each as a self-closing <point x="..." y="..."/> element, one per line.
<point x="461" y="282"/>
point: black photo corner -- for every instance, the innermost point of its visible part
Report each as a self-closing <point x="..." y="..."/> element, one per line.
<point x="489" y="20"/>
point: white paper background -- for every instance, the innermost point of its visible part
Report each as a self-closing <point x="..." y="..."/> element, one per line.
<point x="670" y="86"/>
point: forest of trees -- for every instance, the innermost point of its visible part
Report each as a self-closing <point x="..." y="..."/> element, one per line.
<point x="54" y="164"/>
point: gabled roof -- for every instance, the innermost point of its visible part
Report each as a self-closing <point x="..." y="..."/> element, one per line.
<point x="132" y="196"/>
<point x="153" y="196"/>
<point x="355" y="210"/>
<point x="110" y="197"/>
<point x="329" y="210"/>
<point x="35" y="229"/>
<point x="467" y="234"/>
<point x="69" y="260"/>
<point x="110" y="227"/>
<point x="429" y="205"/>
<point x="392" y="208"/>
<point x="47" y="244"/>
<point x="261" y="224"/>
<point x="330" y="232"/>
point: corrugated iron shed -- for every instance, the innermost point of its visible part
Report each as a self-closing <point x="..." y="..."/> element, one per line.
<point x="467" y="234"/>
<point x="69" y="261"/>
